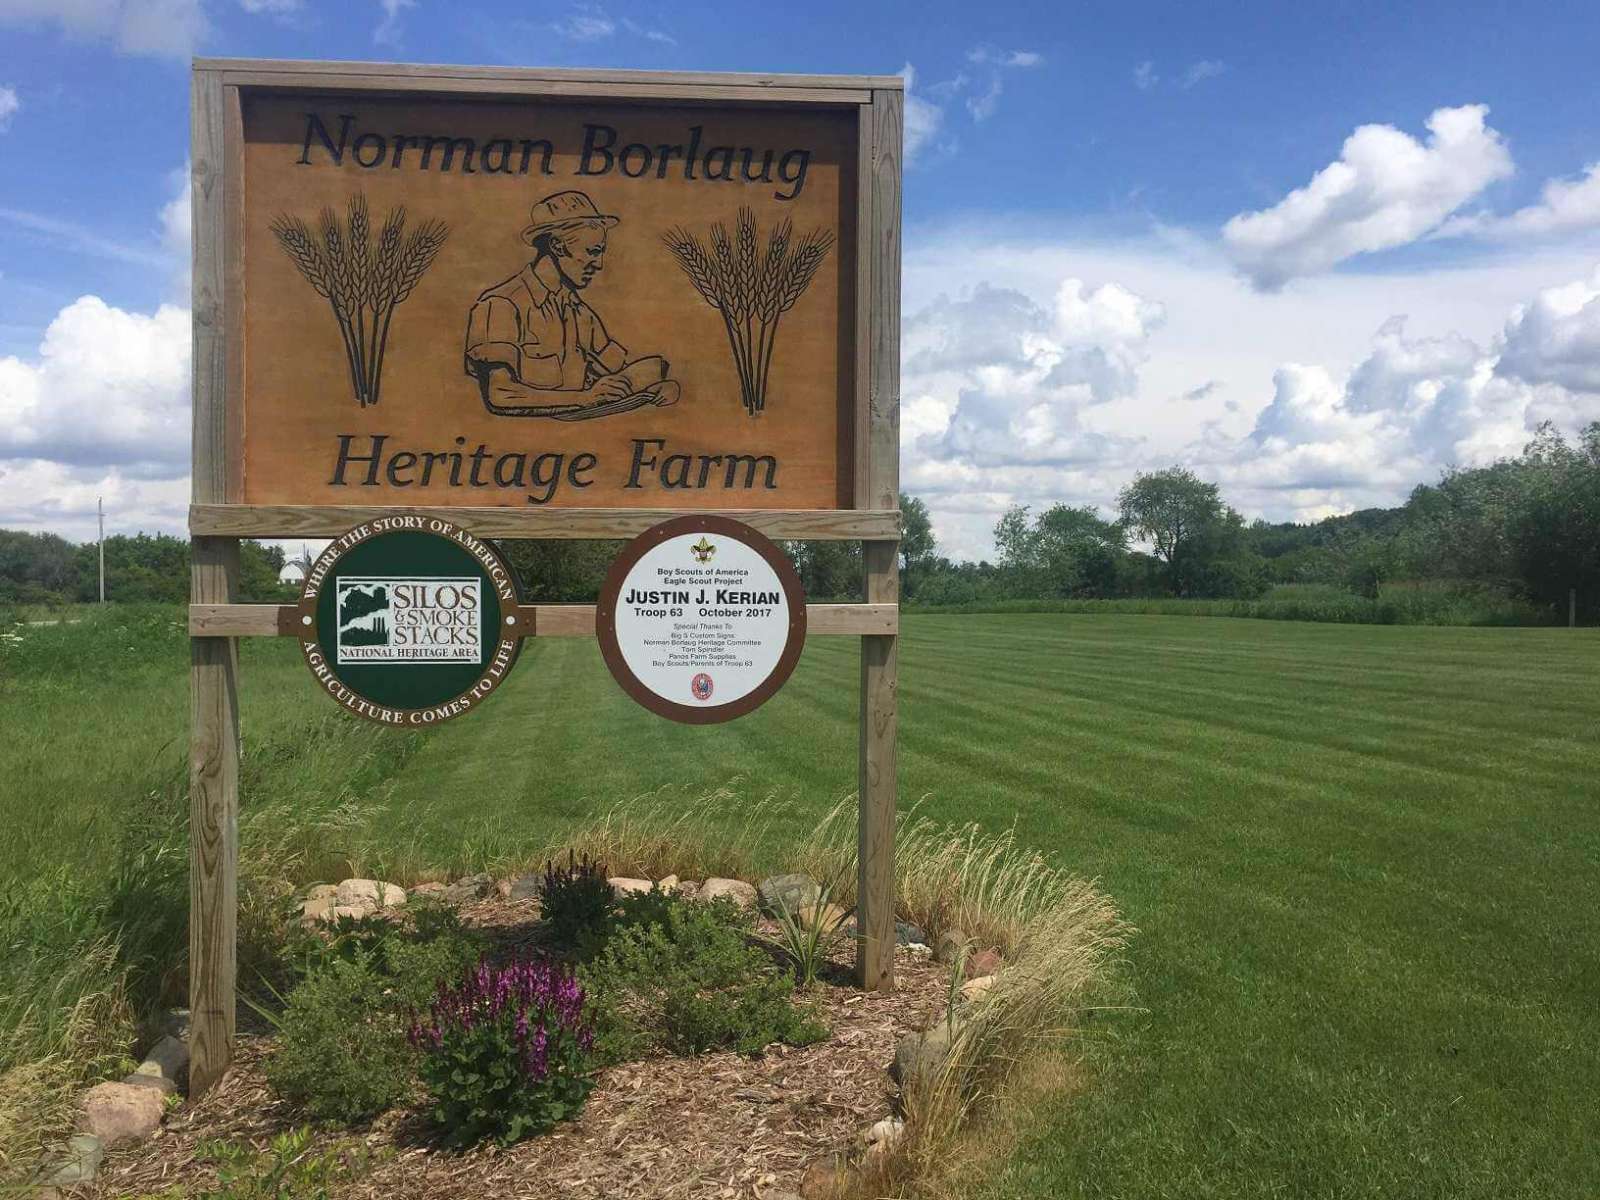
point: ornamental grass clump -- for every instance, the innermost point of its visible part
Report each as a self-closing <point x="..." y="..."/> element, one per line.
<point x="506" y="1052"/>
<point x="576" y="901"/>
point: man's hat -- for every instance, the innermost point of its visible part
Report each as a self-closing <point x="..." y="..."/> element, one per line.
<point x="563" y="211"/>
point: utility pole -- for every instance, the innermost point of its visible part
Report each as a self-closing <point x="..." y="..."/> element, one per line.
<point x="100" y="507"/>
<point x="1572" y="608"/>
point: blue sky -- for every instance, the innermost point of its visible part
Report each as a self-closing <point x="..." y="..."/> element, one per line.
<point x="1317" y="252"/>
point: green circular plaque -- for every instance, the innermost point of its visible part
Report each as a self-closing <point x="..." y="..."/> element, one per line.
<point x="409" y="620"/>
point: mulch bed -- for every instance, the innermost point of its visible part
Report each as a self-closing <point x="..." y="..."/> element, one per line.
<point x="715" y="1126"/>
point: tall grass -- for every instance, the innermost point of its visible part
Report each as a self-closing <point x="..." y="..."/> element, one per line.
<point x="88" y="952"/>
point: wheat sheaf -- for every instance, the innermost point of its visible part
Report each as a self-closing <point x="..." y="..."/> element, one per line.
<point x="363" y="278"/>
<point x="750" y="286"/>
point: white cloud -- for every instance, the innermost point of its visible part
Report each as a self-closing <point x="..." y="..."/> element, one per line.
<point x="591" y="26"/>
<point x="1386" y="189"/>
<point x="649" y="34"/>
<point x="1555" y="338"/>
<point x="389" y="29"/>
<point x="9" y="106"/>
<point x="1145" y="77"/>
<point x="1293" y="404"/>
<point x="171" y="28"/>
<point x="1206" y="68"/>
<point x="982" y="105"/>
<point x="986" y="55"/>
<point x="71" y="236"/>
<point x="922" y="117"/>
<point x="51" y="497"/>
<point x="107" y="388"/>
<point x="1565" y="206"/>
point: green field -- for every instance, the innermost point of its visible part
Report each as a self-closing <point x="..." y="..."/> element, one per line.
<point x="1363" y="861"/>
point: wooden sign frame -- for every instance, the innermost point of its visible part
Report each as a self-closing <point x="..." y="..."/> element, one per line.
<point x="217" y="518"/>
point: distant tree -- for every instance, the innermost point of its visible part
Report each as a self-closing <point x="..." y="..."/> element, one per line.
<point x="828" y="570"/>
<point x="917" y="544"/>
<point x="560" y="572"/>
<point x="1198" y="538"/>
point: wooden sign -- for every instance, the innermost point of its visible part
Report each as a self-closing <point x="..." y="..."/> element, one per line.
<point x="529" y="303"/>
<point x="701" y="619"/>
<point x="546" y="301"/>
<point x="409" y="621"/>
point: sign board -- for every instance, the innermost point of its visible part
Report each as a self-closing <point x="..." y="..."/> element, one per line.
<point x="409" y="621"/>
<point x="701" y="619"/>
<point x="541" y="300"/>
<point x="529" y="303"/>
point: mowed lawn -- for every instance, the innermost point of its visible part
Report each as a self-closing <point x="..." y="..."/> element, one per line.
<point x="1364" y="864"/>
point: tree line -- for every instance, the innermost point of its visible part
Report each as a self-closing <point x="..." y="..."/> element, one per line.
<point x="1526" y="529"/>
<point x="41" y="568"/>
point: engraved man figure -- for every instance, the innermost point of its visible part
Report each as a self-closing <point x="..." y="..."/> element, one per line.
<point x="537" y="349"/>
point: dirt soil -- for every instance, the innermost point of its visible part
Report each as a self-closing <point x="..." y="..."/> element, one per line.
<point x="715" y="1126"/>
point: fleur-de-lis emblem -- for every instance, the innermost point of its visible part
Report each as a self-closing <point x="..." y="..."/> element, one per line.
<point x="702" y="550"/>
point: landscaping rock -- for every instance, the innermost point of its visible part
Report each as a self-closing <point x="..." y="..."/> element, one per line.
<point x="887" y="1129"/>
<point x="737" y="890"/>
<point x="622" y="886"/>
<point x="976" y="989"/>
<point x="169" y="1056"/>
<point x="885" y="1135"/>
<point x="465" y="891"/>
<point x="831" y="916"/>
<point x="951" y="943"/>
<point x="163" y="1067"/>
<point x="907" y="934"/>
<point x="158" y="1083"/>
<point x="177" y="1024"/>
<point x="917" y="1053"/>
<point x="788" y="892"/>
<point x="320" y="909"/>
<point x="984" y="962"/>
<point x="366" y="896"/>
<point x="526" y="887"/>
<point x="80" y="1161"/>
<point x="668" y="883"/>
<point x="119" y="1112"/>
<point x="827" y="1179"/>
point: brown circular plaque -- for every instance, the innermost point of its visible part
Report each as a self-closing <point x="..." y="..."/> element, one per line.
<point x="701" y="619"/>
<point x="408" y="620"/>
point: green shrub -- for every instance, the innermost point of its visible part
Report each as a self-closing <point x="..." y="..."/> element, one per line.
<point x="287" y="1169"/>
<point x="310" y="950"/>
<point x="342" y="1054"/>
<point x="643" y="909"/>
<point x="691" y="982"/>
<point x="506" y="1051"/>
<point x="576" y="902"/>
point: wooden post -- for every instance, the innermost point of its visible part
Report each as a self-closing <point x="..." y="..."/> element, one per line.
<point x="1572" y="608"/>
<point x="213" y="661"/>
<point x="878" y="368"/>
